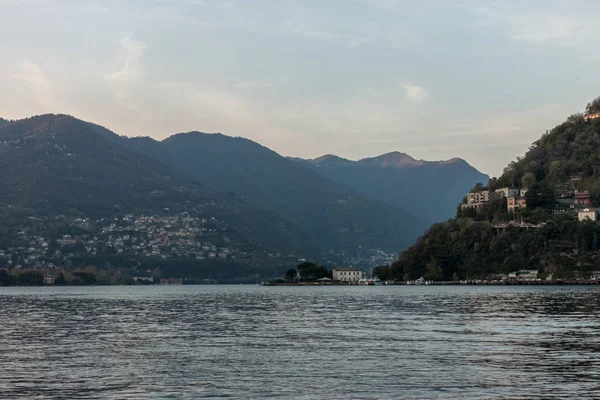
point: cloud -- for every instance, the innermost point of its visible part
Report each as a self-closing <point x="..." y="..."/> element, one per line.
<point x="130" y="68"/>
<point x="32" y="87"/>
<point x="554" y="24"/>
<point x="414" y="94"/>
<point x="128" y="73"/>
<point x="31" y="74"/>
<point x="252" y="85"/>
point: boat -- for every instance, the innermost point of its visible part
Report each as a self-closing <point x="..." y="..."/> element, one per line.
<point x="370" y="282"/>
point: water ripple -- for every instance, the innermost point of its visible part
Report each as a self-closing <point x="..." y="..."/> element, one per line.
<point x="300" y="342"/>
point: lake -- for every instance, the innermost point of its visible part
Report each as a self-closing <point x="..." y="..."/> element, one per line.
<point x="420" y="342"/>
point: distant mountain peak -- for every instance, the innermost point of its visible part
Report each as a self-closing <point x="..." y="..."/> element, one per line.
<point x="455" y="160"/>
<point x="393" y="159"/>
<point x="329" y="158"/>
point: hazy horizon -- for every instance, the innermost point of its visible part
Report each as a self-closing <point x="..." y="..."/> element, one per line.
<point x="430" y="79"/>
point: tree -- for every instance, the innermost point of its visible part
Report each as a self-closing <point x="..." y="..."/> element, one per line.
<point x="558" y="169"/>
<point x="478" y="187"/>
<point x="382" y="272"/>
<point x="593" y="106"/>
<point x="433" y="271"/>
<point x="528" y="180"/>
<point x="290" y="275"/>
<point x="60" y="280"/>
<point x="540" y="196"/>
<point x="5" y="278"/>
<point x="309" y="271"/>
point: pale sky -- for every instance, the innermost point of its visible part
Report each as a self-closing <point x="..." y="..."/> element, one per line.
<point x="479" y="80"/>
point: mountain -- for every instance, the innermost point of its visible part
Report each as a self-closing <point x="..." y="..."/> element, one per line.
<point x="340" y="221"/>
<point x="547" y="233"/>
<point x="429" y="189"/>
<point x="60" y="175"/>
<point x="198" y="196"/>
<point x="56" y="163"/>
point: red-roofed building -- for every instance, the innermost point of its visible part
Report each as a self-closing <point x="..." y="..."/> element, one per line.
<point x="583" y="198"/>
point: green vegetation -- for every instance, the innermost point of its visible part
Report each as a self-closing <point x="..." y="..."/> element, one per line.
<point x="311" y="272"/>
<point x="570" y="150"/>
<point x="546" y="236"/>
<point x="290" y="275"/>
<point x="55" y="167"/>
<point x="329" y="215"/>
<point x="27" y="278"/>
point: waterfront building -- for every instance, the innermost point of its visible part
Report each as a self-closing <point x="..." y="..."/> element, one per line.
<point x="171" y="281"/>
<point x="346" y="274"/>
<point x="527" y="274"/>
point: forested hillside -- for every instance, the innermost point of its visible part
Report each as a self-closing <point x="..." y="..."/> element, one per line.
<point x="340" y="222"/>
<point x="544" y="235"/>
<point x="76" y="194"/>
<point x="63" y="182"/>
<point x="565" y="156"/>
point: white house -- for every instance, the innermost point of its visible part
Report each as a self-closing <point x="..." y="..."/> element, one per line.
<point x="478" y="197"/>
<point x="587" y="213"/>
<point x="346" y="274"/>
<point x="49" y="279"/>
<point x="527" y="274"/>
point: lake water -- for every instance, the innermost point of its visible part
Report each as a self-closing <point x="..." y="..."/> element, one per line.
<point x="300" y="342"/>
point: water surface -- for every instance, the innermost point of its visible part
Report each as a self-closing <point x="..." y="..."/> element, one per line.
<point x="299" y="342"/>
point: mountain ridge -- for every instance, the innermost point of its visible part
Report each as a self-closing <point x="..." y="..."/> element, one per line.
<point x="322" y="218"/>
<point x="390" y="159"/>
<point x="240" y="165"/>
<point x="56" y="165"/>
<point x="397" y="177"/>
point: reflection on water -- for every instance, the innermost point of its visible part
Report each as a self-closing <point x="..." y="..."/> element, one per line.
<point x="300" y="342"/>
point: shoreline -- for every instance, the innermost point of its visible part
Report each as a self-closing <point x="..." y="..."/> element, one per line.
<point x="557" y="282"/>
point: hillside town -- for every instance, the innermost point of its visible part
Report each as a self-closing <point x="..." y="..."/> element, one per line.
<point x="134" y="248"/>
<point x="574" y="201"/>
<point x="161" y="237"/>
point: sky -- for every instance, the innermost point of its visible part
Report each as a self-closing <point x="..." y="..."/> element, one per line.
<point x="356" y="78"/>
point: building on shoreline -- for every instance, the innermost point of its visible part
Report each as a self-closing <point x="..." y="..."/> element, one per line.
<point x="171" y="281"/>
<point x="346" y="274"/>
